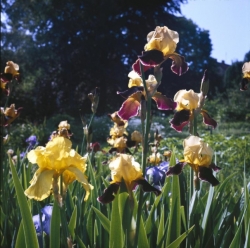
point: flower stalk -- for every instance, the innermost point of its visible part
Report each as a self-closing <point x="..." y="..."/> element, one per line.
<point x="145" y="131"/>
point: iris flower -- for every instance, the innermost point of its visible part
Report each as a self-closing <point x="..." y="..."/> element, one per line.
<point x="125" y="168"/>
<point x="198" y="155"/>
<point x="161" y="45"/>
<point x="136" y="93"/>
<point x="56" y="159"/>
<point x="32" y="140"/>
<point x="187" y="102"/>
<point x="156" y="174"/>
<point x="45" y="217"/>
<point x="10" y="72"/>
<point x="246" y="76"/>
<point x="9" y="115"/>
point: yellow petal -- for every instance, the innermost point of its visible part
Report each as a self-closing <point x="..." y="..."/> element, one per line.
<point x="40" y="185"/>
<point x="79" y="175"/>
<point x="124" y="167"/>
<point x="186" y="100"/>
<point x="197" y="152"/>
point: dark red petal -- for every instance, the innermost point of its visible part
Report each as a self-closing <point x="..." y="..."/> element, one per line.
<point x="206" y="174"/>
<point x="6" y="77"/>
<point x="179" y="65"/>
<point x="129" y="108"/>
<point x="243" y="84"/>
<point x="137" y="69"/>
<point x="214" y="167"/>
<point x="130" y="91"/>
<point x="163" y="102"/>
<point x="108" y="195"/>
<point x="207" y="119"/>
<point x="181" y="119"/>
<point x="151" y="58"/>
<point x="175" y="170"/>
<point x="146" y="187"/>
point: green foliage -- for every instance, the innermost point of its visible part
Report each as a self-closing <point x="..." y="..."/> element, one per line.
<point x="210" y="216"/>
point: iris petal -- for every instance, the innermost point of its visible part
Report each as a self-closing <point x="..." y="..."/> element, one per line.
<point x="82" y="179"/>
<point x="206" y="174"/>
<point x="151" y="58"/>
<point x="207" y="119"/>
<point x="40" y="185"/>
<point x="179" y="66"/>
<point x="176" y="170"/>
<point x="214" y="167"/>
<point x="130" y="91"/>
<point x="137" y="69"/>
<point x="146" y="187"/>
<point x="108" y="195"/>
<point x="181" y="119"/>
<point x="163" y="102"/>
<point x="129" y="108"/>
<point x="243" y="84"/>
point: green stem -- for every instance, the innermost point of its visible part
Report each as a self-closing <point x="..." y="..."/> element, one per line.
<point x="195" y="123"/>
<point x="146" y="130"/>
<point x="63" y="214"/>
<point x="8" y="97"/>
<point x="83" y="139"/>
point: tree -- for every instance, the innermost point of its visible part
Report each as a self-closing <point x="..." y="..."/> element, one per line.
<point x="67" y="48"/>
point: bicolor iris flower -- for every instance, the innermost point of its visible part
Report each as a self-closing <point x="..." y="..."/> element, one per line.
<point x="136" y="93"/>
<point x="198" y="155"/>
<point x="187" y="102"/>
<point x="8" y="115"/>
<point x="124" y="168"/>
<point x="246" y="76"/>
<point x="10" y="72"/>
<point x="161" y="45"/>
<point x="57" y="158"/>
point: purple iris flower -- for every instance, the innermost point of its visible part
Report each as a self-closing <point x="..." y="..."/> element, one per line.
<point x="32" y="141"/>
<point x="45" y="218"/>
<point x="156" y="174"/>
<point x="22" y="155"/>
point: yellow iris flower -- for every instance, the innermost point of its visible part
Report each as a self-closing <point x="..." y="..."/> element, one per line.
<point x="56" y="159"/>
<point x="125" y="168"/>
<point x="162" y="39"/>
<point x="198" y="155"/>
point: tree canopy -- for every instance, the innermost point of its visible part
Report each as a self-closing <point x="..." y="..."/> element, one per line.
<point x="67" y="48"/>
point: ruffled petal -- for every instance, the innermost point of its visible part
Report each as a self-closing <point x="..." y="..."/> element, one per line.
<point x="41" y="184"/>
<point x="82" y="179"/>
<point x="130" y="91"/>
<point x="129" y="108"/>
<point x="175" y="170"/>
<point x="206" y="174"/>
<point x="179" y="65"/>
<point x="181" y="119"/>
<point x="207" y="119"/>
<point x="146" y="187"/>
<point x="151" y="58"/>
<point x="108" y="195"/>
<point x="137" y="69"/>
<point x="163" y="102"/>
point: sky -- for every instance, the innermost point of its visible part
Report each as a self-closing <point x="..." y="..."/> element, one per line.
<point x="228" y="23"/>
